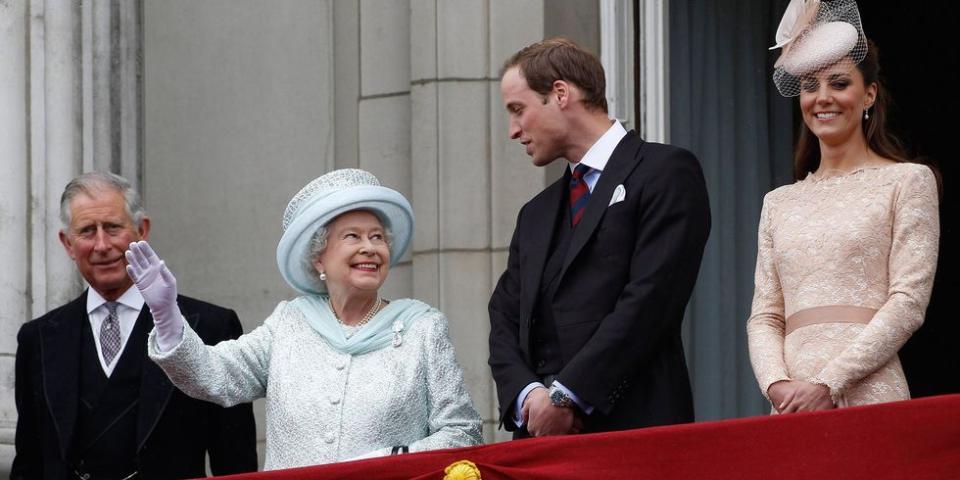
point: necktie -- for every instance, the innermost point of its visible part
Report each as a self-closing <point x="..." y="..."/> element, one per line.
<point x="110" y="334"/>
<point x="579" y="194"/>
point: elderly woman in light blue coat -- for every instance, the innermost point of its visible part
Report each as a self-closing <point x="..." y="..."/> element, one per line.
<point x="346" y="373"/>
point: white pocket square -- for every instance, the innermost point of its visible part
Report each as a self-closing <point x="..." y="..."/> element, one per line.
<point x="619" y="194"/>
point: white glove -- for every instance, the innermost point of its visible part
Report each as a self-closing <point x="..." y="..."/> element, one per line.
<point x="159" y="290"/>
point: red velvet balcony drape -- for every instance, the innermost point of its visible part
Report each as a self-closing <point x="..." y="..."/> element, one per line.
<point x="917" y="439"/>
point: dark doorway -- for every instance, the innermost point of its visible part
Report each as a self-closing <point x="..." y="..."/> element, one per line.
<point x="916" y="40"/>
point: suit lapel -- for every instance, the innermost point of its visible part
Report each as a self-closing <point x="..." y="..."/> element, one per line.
<point x="155" y="387"/>
<point x="538" y="233"/>
<point x="60" y="356"/>
<point x="623" y="160"/>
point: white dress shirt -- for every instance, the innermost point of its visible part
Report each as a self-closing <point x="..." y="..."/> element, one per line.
<point x="599" y="154"/>
<point x="128" y="309"/>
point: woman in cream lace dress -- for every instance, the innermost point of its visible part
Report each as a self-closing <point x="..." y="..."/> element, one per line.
<point x="847" y="254"/>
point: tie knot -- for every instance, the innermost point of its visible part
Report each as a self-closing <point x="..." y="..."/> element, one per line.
<point x="580" y="171"/>
<point x="111" y="308"/>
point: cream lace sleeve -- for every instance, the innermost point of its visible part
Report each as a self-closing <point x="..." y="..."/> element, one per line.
<point x="912" y="264"/>
<point x="765" y="327"/>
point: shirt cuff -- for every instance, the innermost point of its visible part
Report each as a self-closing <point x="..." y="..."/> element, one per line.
<point x="584" y="406"/>
<point x="518" y="406"/>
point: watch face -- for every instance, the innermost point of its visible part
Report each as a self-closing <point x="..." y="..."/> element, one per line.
<point x="558" y="398"/>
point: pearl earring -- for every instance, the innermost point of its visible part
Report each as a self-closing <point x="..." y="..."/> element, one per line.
<point x="866" y="113"/>
<point x="323" y="277"/>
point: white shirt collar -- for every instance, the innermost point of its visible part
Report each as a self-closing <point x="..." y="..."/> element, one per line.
<point x="131" y="298"/>
<point x="600" y="152"/>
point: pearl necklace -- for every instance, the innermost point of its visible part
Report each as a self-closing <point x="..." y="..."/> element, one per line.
<point x="366" y="317"/>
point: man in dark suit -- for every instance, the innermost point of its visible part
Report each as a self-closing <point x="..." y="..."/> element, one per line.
<point x="90" y="404"/>
<point x="585" y="322"/>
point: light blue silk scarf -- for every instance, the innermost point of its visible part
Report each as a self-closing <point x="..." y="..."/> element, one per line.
<point x="396" y="318"/>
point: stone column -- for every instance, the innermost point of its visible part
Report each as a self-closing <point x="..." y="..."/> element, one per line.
<point x="112" y="66"/>
<point x="384" y="109"/>
<point x="55" y="138"/>
<point x="14" y="232"/>
<point x="469" y="181"/>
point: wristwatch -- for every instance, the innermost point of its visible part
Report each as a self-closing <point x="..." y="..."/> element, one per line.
<point x="559" y="399"/>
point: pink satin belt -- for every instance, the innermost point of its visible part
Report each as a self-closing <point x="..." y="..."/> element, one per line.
<point x="829" y="314"/>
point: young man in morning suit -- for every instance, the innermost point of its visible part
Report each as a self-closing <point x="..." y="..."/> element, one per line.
<point x="90" y="404"/>
<point x="585" y="322"/>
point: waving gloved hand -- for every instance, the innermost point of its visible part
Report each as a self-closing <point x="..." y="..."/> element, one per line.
<point x="159" y="290"/>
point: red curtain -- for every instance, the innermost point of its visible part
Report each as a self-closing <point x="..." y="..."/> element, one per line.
<point x="917" y="439"/>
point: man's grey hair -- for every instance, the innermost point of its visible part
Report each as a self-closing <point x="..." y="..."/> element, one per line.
<point x="318" y="243"/>
<point x="91" y="183"/>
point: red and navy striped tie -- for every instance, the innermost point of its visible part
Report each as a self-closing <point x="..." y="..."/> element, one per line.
<point x="579" y="194"/>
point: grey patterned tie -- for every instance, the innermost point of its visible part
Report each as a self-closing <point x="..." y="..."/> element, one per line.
<point x="110" y="334"/>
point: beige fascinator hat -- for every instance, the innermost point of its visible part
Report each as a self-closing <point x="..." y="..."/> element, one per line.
<point x="815" y="34"/>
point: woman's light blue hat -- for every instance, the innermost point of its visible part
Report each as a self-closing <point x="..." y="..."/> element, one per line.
<point x="321" y="201"/>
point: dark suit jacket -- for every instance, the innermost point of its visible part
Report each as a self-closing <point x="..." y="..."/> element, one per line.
<point x="174" y="432"/>
<point x="625" y="283"/>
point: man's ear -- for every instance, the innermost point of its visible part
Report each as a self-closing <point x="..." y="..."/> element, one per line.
<point x="144" y="229"/>
<point x="65" y="241"/>
<point x="561" y="93"/>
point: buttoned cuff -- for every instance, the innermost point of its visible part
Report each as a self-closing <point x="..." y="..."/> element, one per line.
<point x="518" y="405"/>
